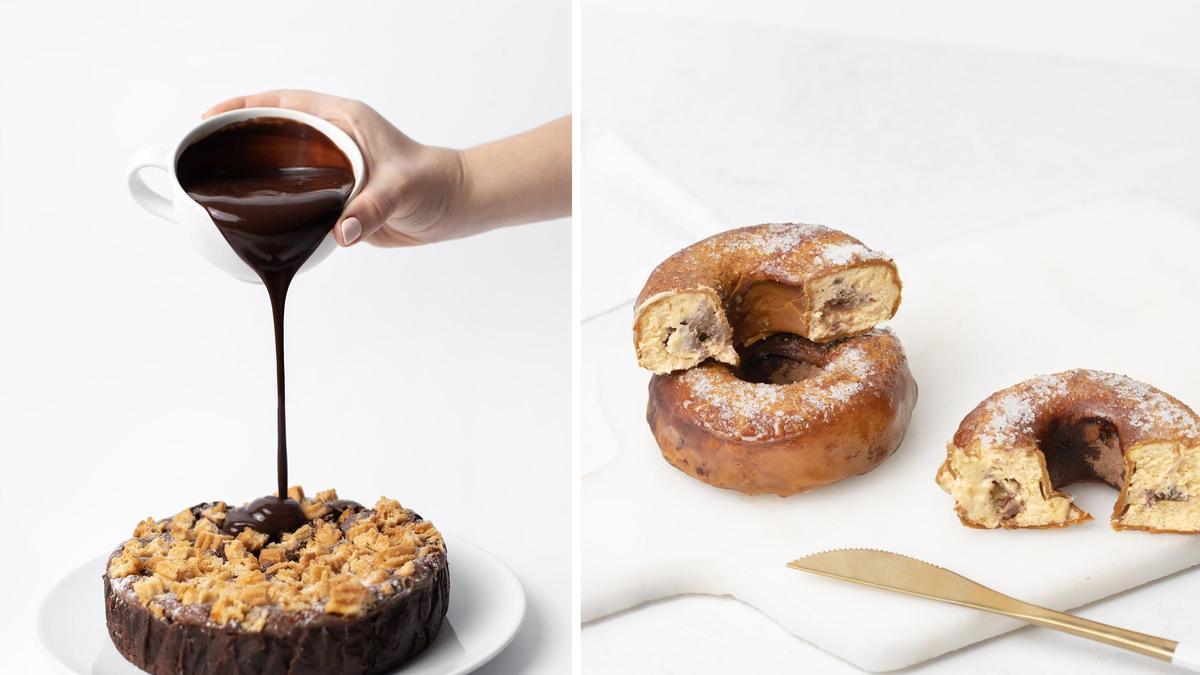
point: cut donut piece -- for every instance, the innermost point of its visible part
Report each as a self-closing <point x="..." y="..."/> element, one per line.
<point x="1013" y="454"/>
<point x="683" y="329"/>
<point x="740" y="286"/>
<point x="795" y="416"/>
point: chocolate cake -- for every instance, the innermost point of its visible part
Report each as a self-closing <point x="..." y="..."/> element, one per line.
<point x="351" y="590"/>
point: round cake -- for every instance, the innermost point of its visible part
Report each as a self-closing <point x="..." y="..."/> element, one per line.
<point x="1017" y="449"/>
<point x="794" y="416"/>
<point x="739" y="286"/>
<point x="351" y="590"/>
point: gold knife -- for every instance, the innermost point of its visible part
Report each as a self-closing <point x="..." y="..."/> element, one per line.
<point x="902" y="574"/>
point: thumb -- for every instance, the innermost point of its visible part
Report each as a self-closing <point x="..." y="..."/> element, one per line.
<point x="363" y="216"/>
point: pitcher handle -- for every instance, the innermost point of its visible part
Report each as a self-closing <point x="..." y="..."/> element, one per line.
<point x="147" y="197"/>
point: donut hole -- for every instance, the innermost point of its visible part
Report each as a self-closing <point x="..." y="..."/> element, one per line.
<point x="1083" y="449"/>
<point x="780" y="359"/>
<point x="776" y="369"/>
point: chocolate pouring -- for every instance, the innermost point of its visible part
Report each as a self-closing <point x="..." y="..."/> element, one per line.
<point x="287" y="584"/>
<point x="274" y="188"/>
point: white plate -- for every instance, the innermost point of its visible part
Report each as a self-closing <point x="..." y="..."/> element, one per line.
<point x="486" y="608"/>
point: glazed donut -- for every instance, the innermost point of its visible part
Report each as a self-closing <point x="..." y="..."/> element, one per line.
<point x="740" y="286"/>
<point x="1013" y="453"/>
<point x="796" y="415"/>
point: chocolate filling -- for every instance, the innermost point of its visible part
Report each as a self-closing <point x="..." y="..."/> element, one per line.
<point x="1083" y="449"/>
<point x="270" y="515"/>
<point x="845" y="300"/>
<point x="1171" y="494"/>
<point x="1005" y="500"/>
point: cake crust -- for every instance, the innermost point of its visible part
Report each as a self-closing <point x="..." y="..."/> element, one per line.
<point x="354" y="590"/>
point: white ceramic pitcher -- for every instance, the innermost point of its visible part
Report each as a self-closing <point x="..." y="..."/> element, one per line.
<point x="178" y="207"/>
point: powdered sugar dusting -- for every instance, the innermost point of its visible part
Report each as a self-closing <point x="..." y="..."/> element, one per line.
<point x="743" y="408"/>
<point x="1151" y="410"/>
<point x="847" y="252"/>
<point x="789" y="260"/>
<point x="775" y="238"/>
<point x="753" y="411"/>
<point x="855" y="361"/>
<point x="789" y="253"/>
<point x="1009" y="416"/>
<point x="1013" y="411"/>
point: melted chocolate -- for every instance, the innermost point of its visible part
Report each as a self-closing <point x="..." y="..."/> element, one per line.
<point x="266" y="514"/>
<point x="274" y="188"/>
<point x="339" y="506"/>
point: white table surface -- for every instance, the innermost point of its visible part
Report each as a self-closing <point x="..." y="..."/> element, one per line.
<point x="905" y="127"/>
<point x="135" y="379"/>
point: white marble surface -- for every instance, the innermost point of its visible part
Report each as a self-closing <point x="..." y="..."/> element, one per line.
<point x="906" y="142"/>
<point x="135" y="379"/>
<point x="694" y="539"/>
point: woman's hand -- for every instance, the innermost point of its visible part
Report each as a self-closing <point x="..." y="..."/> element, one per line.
<point x="419" y="194"/>
<point x="410" y="187"/>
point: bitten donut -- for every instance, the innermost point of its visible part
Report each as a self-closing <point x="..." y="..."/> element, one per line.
<point x="796" y="415"/>
<point x="1013" y="453"/>
<point x="740" y="286"/>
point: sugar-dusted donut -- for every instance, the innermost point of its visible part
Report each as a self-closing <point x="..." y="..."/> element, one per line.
<point x="1014" y="453"/>
<point x="740" y="286"/>
<point x="796" y="415"/>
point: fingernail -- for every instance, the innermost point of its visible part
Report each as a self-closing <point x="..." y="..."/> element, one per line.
<point x="351" y="230"/>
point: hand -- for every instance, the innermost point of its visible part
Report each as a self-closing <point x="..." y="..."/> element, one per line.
<point x="418" y="194"/>
<point x="410" y="188"/>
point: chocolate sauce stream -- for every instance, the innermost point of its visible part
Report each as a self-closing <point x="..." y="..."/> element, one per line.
<point x="274" y="189"/>
<point x="277" y="289"/>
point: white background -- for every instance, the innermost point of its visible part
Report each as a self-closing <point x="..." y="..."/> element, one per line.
<point x="135" y="379"/>
<point x="906" y="124"/>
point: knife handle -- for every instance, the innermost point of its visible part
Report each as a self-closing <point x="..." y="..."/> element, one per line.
<point x="1187" y="656"/>
<point x="1179" y="654"/>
